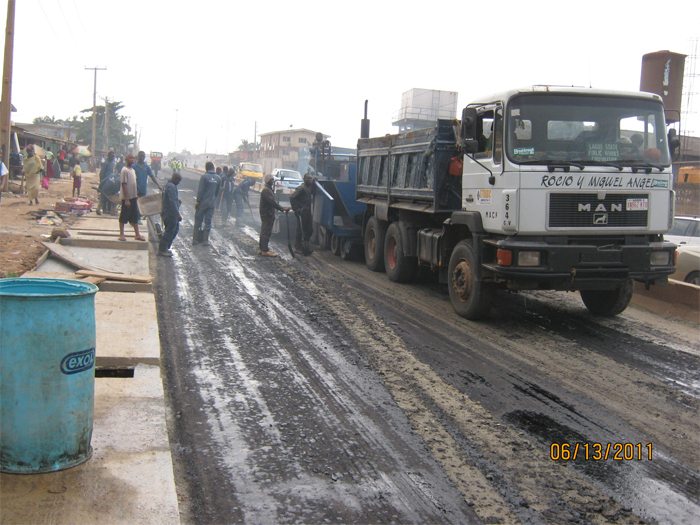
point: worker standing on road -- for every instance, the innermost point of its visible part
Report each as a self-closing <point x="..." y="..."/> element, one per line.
<point x="301" y="201"/>
<point x="228" y="185"/>
<point x="130" y="208"/>
<point x="32" y="170"/>
<point x="207" y="195"/>
<point x="240" y="195"/>
<point x="170" y="214"/>
<point x="268" y="205"/>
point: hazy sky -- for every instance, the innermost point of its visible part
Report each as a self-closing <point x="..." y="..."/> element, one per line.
<point x="220" y="66"/>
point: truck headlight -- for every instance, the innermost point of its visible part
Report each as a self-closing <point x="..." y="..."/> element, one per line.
<point x="528" y="258"/>
<point x="660" y="258"/>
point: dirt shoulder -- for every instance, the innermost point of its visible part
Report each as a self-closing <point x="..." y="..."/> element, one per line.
<point x="21" y="233"/>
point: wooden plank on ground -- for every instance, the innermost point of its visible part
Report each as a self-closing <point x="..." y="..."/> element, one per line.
<point x="106" y="243"/>
<point x="116" y="276"/>
<point x="94" y="280"/>
<point x="41" y="259"/>
<point x="61" y="253"/>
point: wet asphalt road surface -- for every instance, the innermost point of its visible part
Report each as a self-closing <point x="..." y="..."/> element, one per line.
<point x="312" y="390"/>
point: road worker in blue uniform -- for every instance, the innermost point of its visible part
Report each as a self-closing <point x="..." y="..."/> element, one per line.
<point x="170" y="214"/>
<point x="207" y="196"/>
<point x="268" y="205"/>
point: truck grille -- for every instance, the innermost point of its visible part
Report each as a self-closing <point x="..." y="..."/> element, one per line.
<point x="586" y="210"/>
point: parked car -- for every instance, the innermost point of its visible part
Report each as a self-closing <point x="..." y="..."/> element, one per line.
<point x="688" y="264"/>
<point x="286" y="181"/>
<point x="685" y="230"/>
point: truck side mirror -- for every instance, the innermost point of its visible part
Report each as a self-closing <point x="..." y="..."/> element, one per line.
<point x="468" y="130"/>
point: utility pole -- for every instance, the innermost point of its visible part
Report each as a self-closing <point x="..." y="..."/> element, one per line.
<point x="94" y="108"/>
<point x="106" y="130"/>
<point x="5" y="104"/>
<point x="175" y="138"/>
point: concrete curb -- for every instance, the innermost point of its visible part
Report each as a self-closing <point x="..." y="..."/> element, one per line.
<point x="677" y="299"/>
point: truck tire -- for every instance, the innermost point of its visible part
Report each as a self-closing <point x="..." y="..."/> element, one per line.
<point x="336" y="244"/>
<point x="608" y="303"/>
<point x="374" y="245"/>
<point x="399" y="267"/>
<point x="470" y="297"/>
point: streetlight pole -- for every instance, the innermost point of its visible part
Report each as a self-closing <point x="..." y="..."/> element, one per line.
<point x="94" y="108"/>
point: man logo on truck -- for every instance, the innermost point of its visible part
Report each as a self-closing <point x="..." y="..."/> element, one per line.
<point x="600" y="207"/>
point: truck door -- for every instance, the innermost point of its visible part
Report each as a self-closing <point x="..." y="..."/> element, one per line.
<point x="483" y="183"/>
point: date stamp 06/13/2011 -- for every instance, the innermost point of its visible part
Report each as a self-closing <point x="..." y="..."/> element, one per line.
<point x="594" y="451"/>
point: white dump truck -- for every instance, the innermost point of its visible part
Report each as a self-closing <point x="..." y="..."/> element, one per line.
<point x="544" y="188"/>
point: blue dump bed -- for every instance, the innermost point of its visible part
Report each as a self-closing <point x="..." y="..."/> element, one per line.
<point x="411" y="170"/>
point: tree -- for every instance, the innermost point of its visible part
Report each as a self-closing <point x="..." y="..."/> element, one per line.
<point x="47" y="120"/>
<point x="119" y="132"/>
<point x="248" y="146"/>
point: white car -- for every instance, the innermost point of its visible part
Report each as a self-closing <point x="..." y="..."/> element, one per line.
<point x="685" y="230"/>
<point x="286" y="181"/>
<point x="687" y="264"/>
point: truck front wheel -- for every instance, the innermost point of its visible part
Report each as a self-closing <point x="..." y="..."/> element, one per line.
<point x="374" y="245"/>
<point x="608" y="303"/>
<point x="399" y="267"/>
<point x="470" y="297"/>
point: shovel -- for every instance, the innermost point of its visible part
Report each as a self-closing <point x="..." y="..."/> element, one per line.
<point x="289" y="236"/>
<point x="251" y="212"/>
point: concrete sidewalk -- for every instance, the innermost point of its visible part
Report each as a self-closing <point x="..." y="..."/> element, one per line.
<point x="129" y="478"/>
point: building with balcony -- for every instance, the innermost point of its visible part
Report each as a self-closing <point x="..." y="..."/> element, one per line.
<point x="288" y="149"/>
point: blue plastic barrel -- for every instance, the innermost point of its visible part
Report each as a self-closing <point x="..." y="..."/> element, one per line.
<point x="47" y="378"/>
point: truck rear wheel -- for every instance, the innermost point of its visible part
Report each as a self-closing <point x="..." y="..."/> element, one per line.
<point x="374" y="245"/>
<point x="336" y="244"/>
<point x="608" y="303"/>
<point x="399" y="267"/>
<point x="470" y="297"/>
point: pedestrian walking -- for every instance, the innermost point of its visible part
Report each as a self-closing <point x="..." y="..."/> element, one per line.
<point x="268" y="205"/>
<point x="130" y="208"/>
<point x="77" y="175"/>
<point x="207" y="195"/>
<point x="56" y="168"/>
<point x="228" y="187"/>
<point x="170" y="214"/>
<point x="301" y="201"/>
<point x="62" y="158"/>
<point x="32" y="173"/>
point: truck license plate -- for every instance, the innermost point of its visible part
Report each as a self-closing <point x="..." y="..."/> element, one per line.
<point x="637" y="204"/>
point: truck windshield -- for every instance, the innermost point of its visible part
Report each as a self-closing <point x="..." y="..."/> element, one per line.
<point x="586" y="130"/>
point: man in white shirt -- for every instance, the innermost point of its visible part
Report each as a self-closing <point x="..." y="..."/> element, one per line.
<point x="130" y="208"/>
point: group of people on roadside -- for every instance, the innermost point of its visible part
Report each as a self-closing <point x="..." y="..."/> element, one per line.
<point x="217" y="189"/>
<point x="38" y="172"/>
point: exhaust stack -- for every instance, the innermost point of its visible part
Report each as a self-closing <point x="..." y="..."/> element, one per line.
<point x="364" y="127"/>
